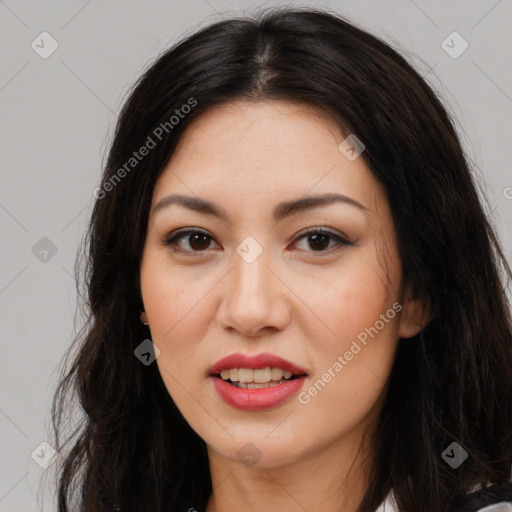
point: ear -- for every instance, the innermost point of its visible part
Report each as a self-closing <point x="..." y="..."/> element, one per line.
<point x="416" y="313"/>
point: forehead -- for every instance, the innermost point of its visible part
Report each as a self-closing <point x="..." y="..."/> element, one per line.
<point x="265" y="151"/>
<point x="267" y="130"/>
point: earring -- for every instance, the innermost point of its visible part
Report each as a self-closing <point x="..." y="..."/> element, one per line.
<point x="143" y="318"/>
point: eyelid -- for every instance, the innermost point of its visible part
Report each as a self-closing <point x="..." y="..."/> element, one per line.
<point x="320" y="229"/>
<point x="171" y="239"/>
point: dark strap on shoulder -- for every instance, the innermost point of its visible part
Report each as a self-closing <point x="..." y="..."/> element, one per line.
<point x="484" y="497"/>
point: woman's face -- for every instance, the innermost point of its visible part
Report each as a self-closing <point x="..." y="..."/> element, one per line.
<point x="251" y="283"/>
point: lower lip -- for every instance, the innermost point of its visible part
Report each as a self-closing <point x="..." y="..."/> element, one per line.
<point x="257" y="399"/>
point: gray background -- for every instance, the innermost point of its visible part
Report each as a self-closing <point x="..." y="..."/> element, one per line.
<point x="57" y="117"/>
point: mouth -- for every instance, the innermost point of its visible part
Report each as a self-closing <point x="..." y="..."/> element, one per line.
<point x="256" y="382"/>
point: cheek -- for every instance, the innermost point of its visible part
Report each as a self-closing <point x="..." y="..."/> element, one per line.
<point x="174" y="299"/>
<point x="350" y="374"/>
<point x="354" y="359"/>
<point x="179" y="313"/>
<point x="349" y="299"/>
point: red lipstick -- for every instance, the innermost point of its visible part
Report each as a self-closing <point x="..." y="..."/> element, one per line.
<point x="256" y="399"/>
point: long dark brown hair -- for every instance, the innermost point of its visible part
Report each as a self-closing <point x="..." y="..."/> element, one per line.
<point x="132" y="449"/>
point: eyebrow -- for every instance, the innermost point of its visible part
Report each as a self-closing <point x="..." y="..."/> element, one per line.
<point x="282" y="210"/>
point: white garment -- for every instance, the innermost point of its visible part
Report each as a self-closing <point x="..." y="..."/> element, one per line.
<point x="389" y="505"/>
<point x="498" y="507"/>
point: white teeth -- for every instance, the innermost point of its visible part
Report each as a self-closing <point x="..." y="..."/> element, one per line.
<point x="277" y="373"/>
<point x="254" y="385"/>
<point x="256" y="379"/>
<point x="245" y="375"/>
<point x="263" y="375"/>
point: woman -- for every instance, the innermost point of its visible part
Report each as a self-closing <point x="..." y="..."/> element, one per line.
<point x="296" y="300"/>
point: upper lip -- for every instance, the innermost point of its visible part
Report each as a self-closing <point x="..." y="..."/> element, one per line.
<point x="254" y="362"/>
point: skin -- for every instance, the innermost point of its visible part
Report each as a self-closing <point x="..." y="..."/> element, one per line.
<point x="296" y="300"/>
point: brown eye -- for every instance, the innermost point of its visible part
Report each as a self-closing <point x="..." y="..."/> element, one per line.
<point x="319" y="240"/>
<point x="197" y="241"/>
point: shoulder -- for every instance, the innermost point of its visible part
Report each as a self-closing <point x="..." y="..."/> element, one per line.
<point x="493" y="498"/>
<point x="504" y="506"/>
<point x="487" y="499"/>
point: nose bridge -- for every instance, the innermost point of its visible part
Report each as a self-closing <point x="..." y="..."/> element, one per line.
<point x="250" y="276"/>
<point x="250" y="300"/>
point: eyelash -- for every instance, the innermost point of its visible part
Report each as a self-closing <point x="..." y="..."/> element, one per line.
<point x="173" y="239"/>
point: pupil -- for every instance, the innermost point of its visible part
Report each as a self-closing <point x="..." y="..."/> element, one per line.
<point x="315" y="239"/>
<point x="200" y="245"/>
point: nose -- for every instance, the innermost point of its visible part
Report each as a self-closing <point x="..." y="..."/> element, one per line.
<point x="255" y="299"/>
